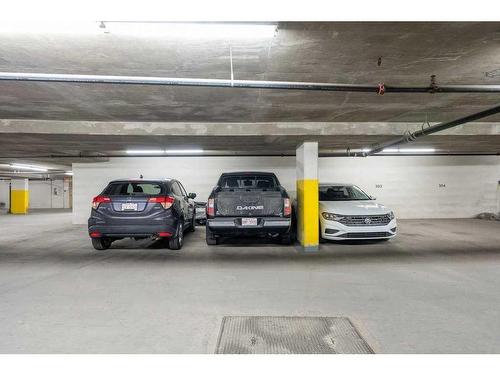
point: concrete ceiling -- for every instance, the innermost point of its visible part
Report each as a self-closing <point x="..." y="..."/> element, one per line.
<point x="75" y="122"/>
<point x="322" y="52"/>
<point x="64" y="142"/>
<point x="61" y="146"/>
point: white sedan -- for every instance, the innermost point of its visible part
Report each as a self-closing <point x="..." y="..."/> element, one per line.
<point x="346" y="212"/>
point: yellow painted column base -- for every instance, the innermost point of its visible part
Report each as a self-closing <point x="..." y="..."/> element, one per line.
<point x="19" y="201"/>
<point x="308" y="214"/>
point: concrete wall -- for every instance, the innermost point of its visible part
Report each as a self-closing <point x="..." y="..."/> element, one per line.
<point x="4" y="194"/>
<point x="423" y="186"/>
<point x="46" y="194"/>
<point x="414" y="186"/>
<point x="43" y="194"/>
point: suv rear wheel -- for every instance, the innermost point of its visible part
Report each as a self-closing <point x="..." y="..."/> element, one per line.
<point x="101" y="243"/>
<point x="175" y="243"/>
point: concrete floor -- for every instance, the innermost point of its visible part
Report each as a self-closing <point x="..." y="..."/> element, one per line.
<point x="434" y="289"/>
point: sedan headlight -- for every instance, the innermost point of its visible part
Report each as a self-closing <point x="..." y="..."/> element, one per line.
<point x="331" y="216"/>
<point x="391" y="215"/>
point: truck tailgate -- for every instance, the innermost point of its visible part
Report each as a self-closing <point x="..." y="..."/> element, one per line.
<point x="249" y="203"/>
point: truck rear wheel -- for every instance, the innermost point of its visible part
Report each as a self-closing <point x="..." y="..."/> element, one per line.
<point x="286" y="239"/>
<point x="211" y="239"/>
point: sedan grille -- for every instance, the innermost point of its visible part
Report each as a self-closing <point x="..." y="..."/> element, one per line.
<point x="365" y="220"/>
<point x="366" y="235"/>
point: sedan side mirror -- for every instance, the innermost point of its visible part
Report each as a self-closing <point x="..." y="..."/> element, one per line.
<point x="192" y="195"/>
<point x="373" y="198"/>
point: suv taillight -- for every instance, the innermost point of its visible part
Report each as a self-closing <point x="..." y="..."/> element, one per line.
<point x="211" y="207"/>
<point x="287" y="207"/>
<point x="98" y="200"/>
<point x="166" y="202"/>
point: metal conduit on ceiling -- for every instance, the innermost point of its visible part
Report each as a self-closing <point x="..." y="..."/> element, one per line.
<point x="380" y="89"/>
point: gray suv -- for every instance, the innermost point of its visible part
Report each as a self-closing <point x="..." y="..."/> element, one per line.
<point x="141" y="209"/>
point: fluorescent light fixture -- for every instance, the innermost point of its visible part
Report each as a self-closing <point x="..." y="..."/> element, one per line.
<point x="144" y="152"/>
<point x="189" y="30"/>
<point x="69" y="173"/>
<point x="188" y="151"/>
<point x="409" y="150"/>
<point x="150" y="29"/>
<point x="46" y="26"/>
<point x="159" y="152"/>
<point x="28" y="167"/>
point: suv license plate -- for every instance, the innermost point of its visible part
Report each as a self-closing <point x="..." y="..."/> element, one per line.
<point x="249" y="221"/>
<point x="129" y="206"/>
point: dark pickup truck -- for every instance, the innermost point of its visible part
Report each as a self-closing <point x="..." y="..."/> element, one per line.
<point x="248" y="204"/>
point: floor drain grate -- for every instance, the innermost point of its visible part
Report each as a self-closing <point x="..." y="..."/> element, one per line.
<point x="294" y="335"/>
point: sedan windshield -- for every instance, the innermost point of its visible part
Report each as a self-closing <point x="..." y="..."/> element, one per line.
<point x="341" y="193"/>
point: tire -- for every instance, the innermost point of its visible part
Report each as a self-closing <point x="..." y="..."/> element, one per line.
<point x="176" y="242"/>
<point x="286" y="239"/>
<point x="293" y="234"/>
<point x="321" y="239"/>
<point x="211" y="239"/>
<point x="101" y="243"/>
<point x="192" y="227"/>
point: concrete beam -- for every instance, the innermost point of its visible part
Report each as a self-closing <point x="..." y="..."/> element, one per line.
<point x="236" y="129"/>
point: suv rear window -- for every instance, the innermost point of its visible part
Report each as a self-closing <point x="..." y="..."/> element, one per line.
<point x="134" y="188"/>
<point x="248" y="182"/>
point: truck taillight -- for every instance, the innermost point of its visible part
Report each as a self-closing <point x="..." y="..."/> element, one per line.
<point x="98" y="200"/>
<point x="287" y="207"/>
<point x="211" y="207"/>
<point x="166" y="202"/>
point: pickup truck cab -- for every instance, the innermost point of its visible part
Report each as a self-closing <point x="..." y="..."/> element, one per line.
<point x="248" y="204"/>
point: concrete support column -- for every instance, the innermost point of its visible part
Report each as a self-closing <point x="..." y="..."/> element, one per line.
<point x="307" y="196"/>
<point x="19" y="196"/>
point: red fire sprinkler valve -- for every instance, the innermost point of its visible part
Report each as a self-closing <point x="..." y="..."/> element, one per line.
<point x="381" y="89"/>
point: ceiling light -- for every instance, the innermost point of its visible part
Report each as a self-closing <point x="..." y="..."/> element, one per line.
<point x="190" y="30"/>
<point x="144" y="152"/>
<point x="69" y="173"/>
<point x="409" y="150"/>
<point x="28" y="167"/>
<point x="46" y="26"/>
<point x="188" y="151"/>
